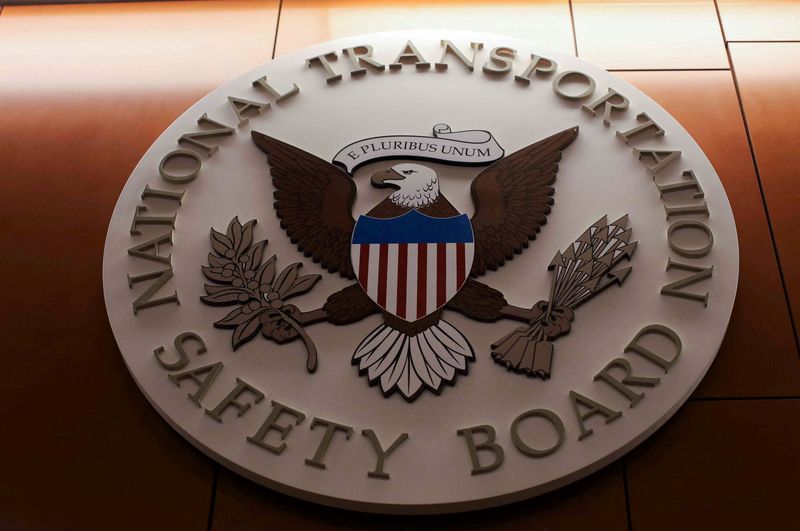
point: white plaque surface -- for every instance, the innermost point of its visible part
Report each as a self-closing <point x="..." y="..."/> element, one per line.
<point x="432" y="470"/>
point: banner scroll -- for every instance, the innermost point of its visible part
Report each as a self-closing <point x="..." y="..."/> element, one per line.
<point x="474" y="147"/>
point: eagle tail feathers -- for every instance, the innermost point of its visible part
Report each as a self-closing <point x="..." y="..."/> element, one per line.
<point x="410" y="364"/>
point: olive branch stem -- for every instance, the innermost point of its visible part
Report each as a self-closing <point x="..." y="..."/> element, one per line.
<point x="311" y="349"/>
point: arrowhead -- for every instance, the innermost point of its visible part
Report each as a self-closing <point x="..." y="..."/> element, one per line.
<point x="600" y="223"/>
<point x="629" y="249"/>
<point x="620" y="275"/>
<point x="591" y="284"/>
<point x="625" y="235"/>
<point x="586" y="255"/>
<point x="602" y="234"/>
<point x="586" y="268"/>
<point x="586" y="237"/>
<point x="558" y="260"/>
<point x="606" y="259"/>
<point x="621" y="222"/>
<point x="569" y="254"/>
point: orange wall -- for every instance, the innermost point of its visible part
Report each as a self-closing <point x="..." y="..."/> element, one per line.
<point x="82" y="449"/>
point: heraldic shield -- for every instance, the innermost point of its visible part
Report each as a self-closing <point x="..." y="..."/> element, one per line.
<point x="413" y="264"/>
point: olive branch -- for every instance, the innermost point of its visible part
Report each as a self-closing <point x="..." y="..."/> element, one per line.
<point x="235" y="266"/>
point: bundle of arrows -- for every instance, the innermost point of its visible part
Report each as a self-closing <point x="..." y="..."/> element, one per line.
<point x="583" y="270"/>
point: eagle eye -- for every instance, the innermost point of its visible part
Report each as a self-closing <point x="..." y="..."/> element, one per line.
<point x="409" y="172"/>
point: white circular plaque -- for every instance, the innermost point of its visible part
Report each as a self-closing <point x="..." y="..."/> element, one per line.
<point x="402" y="318"/>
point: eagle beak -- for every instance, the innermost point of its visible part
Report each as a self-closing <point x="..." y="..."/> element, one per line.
<point x="386" y="178"/>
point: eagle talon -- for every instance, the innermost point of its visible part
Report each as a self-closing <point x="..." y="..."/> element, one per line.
<point x="522" y="354"/>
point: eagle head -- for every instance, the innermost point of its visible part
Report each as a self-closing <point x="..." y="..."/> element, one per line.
<point x="417" y="185"/>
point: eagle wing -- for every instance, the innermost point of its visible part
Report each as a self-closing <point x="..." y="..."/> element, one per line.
<point x="314" y="201"/>
<point x="512" y="199"/>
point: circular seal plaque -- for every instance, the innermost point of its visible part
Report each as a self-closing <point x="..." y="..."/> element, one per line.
<point x="420" y="272"/>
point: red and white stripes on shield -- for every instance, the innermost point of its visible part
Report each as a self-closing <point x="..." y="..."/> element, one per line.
<point x="412" y="280"/>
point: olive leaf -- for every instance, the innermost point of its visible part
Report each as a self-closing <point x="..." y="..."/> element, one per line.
<point x="233" y="319"/>
<point x="234" y="233"/>
<point x="245" y="332"/>
<point x="221" y="243"/>
<point x="266" y="274"/>
<point x="216" y="274"/>
<point x="226" y="296"/>
<point x="216" y="261"/>
<point x="301" y="285"/>
<point x="254" y="255"/>
<point x="286" y="279"/>
<point x="212" y="289"/>
<point x="247" y="236"/>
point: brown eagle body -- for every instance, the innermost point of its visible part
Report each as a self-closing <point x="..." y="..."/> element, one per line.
<point x="314" y="202"/>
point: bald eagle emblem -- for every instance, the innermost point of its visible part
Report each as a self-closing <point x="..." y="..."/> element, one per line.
<point x="412" y="259"/>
